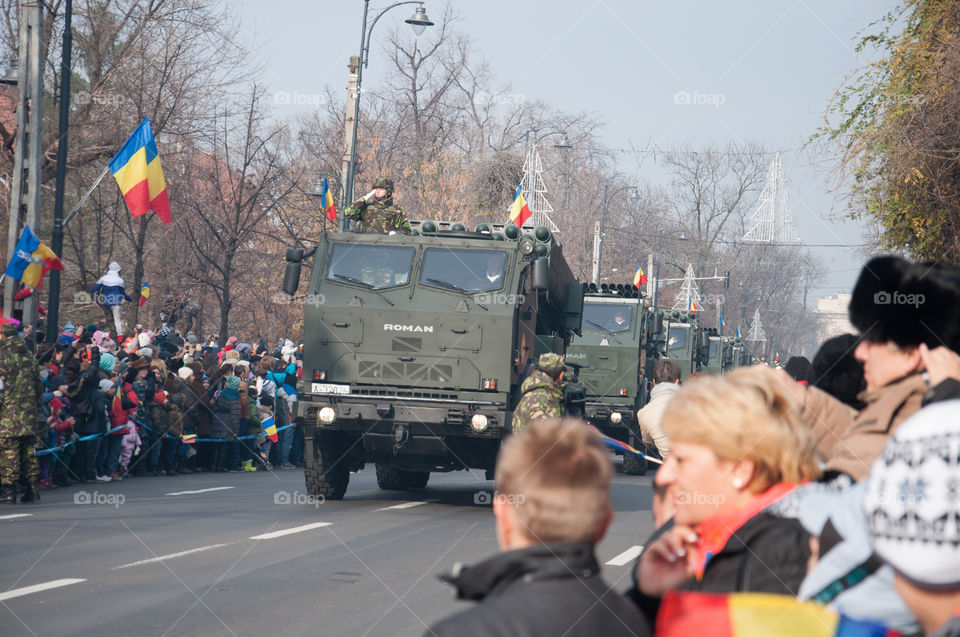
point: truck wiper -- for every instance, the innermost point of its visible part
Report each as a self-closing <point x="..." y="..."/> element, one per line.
<point x="456" y="288"/>
<point x="363" y="284"/>
<point x="603" y="329"/>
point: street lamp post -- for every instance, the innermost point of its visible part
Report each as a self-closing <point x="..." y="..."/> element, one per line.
<point x="418" y="21"/>
<point x="659" y="255"/>
<point x="599" y="236"/>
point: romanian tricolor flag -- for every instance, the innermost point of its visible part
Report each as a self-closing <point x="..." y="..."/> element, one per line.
<point x="31" y="260"/>
<point x="741" y="615"/>
<point x="144" y="293"/>
<point x="639" y="278"/>
<point x="138" y="173"/>
<point x="326" y="200"/>
<point x="721" y="321"/>
<point x="270" y="428"/>
<point x="189" y="439"/>
<point x="519" y="211"/>
<point x="738" y="332"/>
<point x="691" y="305"/>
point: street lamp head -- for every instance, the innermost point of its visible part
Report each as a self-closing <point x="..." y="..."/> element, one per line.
<point x="564" y="142"/>
<point x="11" y="71"/>
<point x="634" y="195"/>
<point x="317" y="190"/>
<point x="419" y="21"/>
<point x="683" y="236"/>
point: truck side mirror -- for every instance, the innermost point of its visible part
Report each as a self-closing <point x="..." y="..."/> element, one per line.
<point x="291" y="274"/>
<point x="541" y="274"/>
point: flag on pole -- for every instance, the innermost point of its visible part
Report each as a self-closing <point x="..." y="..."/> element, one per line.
<point x="639" y="278"/>
<point x="270" y="428"/>
<point x="144" y="293"/>
<point x="519" y="211"/>
<point x="326" y="200"/>
<point x="691" y="306"/>
<point x="31" y="260"/>
<point x="139" y="174"/>
<point x="738" y="332"/>
<point x="721" y="320"/>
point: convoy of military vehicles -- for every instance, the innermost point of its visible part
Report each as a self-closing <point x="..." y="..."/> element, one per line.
<point x="415" y="347"/>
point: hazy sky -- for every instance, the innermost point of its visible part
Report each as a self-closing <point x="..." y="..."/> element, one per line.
<point x="754" y="71"/>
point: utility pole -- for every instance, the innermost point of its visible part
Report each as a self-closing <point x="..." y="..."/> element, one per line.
<point x="56" y="240"/>
<point x="25" y="184"/>
<point x="353" y="87"/>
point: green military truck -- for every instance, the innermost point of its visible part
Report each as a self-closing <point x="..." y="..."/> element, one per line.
<point x="416" y="344"/>
<point x="716" y="349"/>
<point x="675" y="335"/>
<point x="609" y="354"/>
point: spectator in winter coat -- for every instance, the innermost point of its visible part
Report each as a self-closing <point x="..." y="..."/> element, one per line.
<point x="552" y="506"/>
<point x="666" y="383"/>
<point x="737" y="445"/>
<point x="225" y="424"/>
<point x="110" y="292"/>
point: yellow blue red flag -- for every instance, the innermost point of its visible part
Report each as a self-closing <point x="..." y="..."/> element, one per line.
<point x="327" y="201"/>
<point x="31" y="260"/>
<point x="139" y="174"/>
<point x="144" y="293"/>
<point x="270" y="428"/>
<point x="639" y="278"/>
<point x="519" y="211"/>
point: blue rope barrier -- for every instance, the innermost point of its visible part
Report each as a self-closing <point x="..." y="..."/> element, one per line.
<point x="44" y="452"/>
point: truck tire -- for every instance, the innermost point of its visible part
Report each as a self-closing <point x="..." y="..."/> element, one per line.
<point x="324" y="475"/>
<point x="634" y="465"/>
<point x="390" y="478"/>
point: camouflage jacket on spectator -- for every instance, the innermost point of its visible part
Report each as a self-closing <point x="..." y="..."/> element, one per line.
<point x="20" y="396"/>
<point x="542" y="398"/>
<point x="380" y="215"/>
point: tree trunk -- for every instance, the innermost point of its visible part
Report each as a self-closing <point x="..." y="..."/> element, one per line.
<point x="227" y="301"/>
<point x="138" y="268"/>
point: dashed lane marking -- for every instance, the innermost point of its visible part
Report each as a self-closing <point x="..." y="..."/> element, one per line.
<point x="199" y="491"/>
<point x="291" y="531"/>
<point x="405" y="505"/>
<point x="627" y="556"/>
<point x="36" y="588"/>
<point x="13" y="516"/>
<point x="161" y="558"/>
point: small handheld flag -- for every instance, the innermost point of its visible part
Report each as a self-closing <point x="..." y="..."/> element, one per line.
<point x="326" y="199"/>
<point x="31" y="260"/>
<point x="639" y="278"/>
<point x="136" y="167"/>
<point x="270" y="428"/>
<point x="189" y="439"/>
<point x="519" y="211"/>
<point x="144" y="293"/>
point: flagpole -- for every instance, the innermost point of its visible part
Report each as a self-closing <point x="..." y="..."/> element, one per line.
<point x="85" y="196"/>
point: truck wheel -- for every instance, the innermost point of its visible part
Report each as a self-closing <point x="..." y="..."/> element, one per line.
<point x="324" y="475"/>
<point x="634" y="465"/>
<point x="390" y="478"/>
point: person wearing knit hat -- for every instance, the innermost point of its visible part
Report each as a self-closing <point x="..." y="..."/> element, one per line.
<point x="913" y="512"/>
<point x="185" y="373"/>
<point x="231" y="355"/>
<point x="146" y="352"/>
<point x="143" y="339"/>
<point x="106" y="385"/>
<point x="107" y="362"/>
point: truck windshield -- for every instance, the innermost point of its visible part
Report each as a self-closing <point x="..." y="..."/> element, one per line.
<point x="467" y="270"/>
<point x="606" y="317"/>
<point x="370" y="265"/>
<point x="676" y="337"/>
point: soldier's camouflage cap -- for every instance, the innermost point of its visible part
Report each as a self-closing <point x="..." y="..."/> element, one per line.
<point x="385" y="183"/>
<point x="9" y="329"/>
<point x="551" y="363"/>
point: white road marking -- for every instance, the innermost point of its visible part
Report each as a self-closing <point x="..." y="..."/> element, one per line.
<point x="296" y="529"/>
<point x="36" y="588"/>
<point x="405" y="505"/>
<point x="16" y="515"/>
<point x="626" y="557"/>
<point x="199" y="491"/>
<point x="172" y="555"/>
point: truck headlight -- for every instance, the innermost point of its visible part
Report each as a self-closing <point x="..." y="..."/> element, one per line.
<point x="479" y="423"/>
<point x="616" y="417"/>
<point x="327" y="415"/>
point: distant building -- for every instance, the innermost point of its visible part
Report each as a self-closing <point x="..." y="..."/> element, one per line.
<point x="832" y="317"/>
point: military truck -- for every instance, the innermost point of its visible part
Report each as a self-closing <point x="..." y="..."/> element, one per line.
<point x="675" y="335"/>
<point x="416" y="345"/>
<point x="609" y="354"/>
<point x="715" y="349"/>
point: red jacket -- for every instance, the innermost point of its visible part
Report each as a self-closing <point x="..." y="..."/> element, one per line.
<point x="120" y="414"/>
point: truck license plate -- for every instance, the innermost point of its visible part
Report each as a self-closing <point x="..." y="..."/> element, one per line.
<point x="328" y="388"/>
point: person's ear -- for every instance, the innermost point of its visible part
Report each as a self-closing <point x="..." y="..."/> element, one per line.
<point x="605" y="523"/>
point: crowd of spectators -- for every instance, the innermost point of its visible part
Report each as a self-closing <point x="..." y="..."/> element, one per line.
<point x="164" y="404"/>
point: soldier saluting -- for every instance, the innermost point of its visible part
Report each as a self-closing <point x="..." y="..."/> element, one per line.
<point x="542" y="392"/>
<point x="377" y="212"/>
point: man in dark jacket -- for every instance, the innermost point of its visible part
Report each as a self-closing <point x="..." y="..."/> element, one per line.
<point x="552" y="507"/>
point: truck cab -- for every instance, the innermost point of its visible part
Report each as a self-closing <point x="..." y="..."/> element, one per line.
<point x="416" y="344"/>
<point x="609" y="355"/>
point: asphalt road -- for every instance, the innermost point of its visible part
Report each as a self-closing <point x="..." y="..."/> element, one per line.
<point x="249" y="554"/>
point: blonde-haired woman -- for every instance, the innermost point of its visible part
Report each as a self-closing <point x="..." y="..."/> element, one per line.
<point x="737" y="446"/>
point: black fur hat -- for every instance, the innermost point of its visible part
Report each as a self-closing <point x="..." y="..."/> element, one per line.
<point x="907" y="303"/>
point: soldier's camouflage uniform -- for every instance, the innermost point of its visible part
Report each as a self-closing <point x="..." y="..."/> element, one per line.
<point x="19" y="402"/>
<point x="542" y="397"/>
<point x="380" y="214"/>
